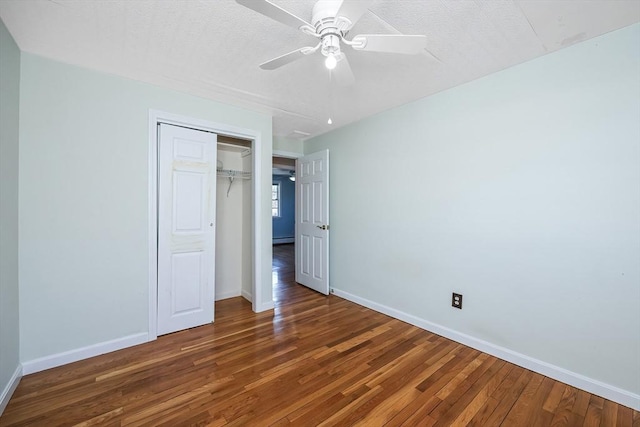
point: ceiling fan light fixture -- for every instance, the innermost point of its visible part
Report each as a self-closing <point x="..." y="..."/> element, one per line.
<point x="330" y="62"/>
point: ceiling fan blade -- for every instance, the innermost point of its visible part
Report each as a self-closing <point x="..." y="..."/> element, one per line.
<point x="275" y="12"/>
<point x="342" y="73"/>
<point x="391" y="43"/>
<point x="351" y="11"/>
<point x="286" y="58"/>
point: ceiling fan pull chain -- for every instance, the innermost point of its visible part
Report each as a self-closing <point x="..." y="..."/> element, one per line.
<point x="330" y="121"/>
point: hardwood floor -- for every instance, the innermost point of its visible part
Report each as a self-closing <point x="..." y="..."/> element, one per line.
<point x="314" y="360"/>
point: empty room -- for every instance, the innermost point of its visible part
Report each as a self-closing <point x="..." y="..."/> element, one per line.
<point x="319" y="212"/>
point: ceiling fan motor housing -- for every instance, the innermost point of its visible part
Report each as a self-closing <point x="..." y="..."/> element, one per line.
<point x="330" y="45"/>
<point x="326" y="25"/>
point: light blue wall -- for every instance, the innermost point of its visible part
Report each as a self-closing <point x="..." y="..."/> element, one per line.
<point x="84" y="240"/>
<point x="287" y="145"/>
<point x="521" y="191"/>
<point x="284" y="226"/>
<point x="9" y="108"/>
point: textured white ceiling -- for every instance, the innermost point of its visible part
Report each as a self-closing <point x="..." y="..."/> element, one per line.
<point x="212" y="48"/>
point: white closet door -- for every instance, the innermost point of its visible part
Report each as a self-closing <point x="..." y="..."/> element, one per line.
<point x="186" y="228"/>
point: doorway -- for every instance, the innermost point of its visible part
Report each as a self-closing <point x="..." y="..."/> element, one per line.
<point x="156" y="118"/>
<point x="283" y="200"/>
<point x="283" y="206"/>
<point x="311" y="219"/>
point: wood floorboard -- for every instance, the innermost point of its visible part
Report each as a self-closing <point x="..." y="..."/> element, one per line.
<point x="313" y="360"/>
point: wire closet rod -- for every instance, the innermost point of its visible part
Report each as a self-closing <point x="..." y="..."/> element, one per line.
<point x="232" y="175"/>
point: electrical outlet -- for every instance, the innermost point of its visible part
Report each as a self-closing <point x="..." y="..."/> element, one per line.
<point x="456" y="301"/>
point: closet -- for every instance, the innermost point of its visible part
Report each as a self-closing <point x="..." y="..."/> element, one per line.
<point x="233" y="219"/>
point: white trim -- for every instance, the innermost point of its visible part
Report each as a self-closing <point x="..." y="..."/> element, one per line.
<point x="10" y="388"/>
<point x="256" y="289"/>
<point x="279" y="240"/>
<point x="82" y="353"/>
<point x="286" y="154"/>
<point x="269" y="305"/>
<point x="156" y="117"/>
<point x="246" y="295"/>
<point x="152" y="212"/>
<point x="229" y="294"/>
<point x="590" y="385"/>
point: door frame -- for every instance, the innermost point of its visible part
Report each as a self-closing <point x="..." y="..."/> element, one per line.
<point x="155" y="118"/>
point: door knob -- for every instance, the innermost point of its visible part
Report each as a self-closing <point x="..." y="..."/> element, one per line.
<point x="323" y="227"/>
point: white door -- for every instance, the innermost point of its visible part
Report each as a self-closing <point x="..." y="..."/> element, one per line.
<point x="312" y="221"/>
<point x="186" y="228"/>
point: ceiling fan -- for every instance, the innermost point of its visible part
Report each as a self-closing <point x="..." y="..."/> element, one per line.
<point x="331" y="21"/>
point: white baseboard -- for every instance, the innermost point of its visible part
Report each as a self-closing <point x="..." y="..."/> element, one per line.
<point x="582" y="382"/>
<point x="281" y="240"/>
<point x="225" y="295"/>
<point x="71" y="356"/>
<point x="265" y="306"/>
<point x="7" y="392"/>
<point x="247" y="295"/>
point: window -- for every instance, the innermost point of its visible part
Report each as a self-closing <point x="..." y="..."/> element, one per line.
<point x="275" y="199"/>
